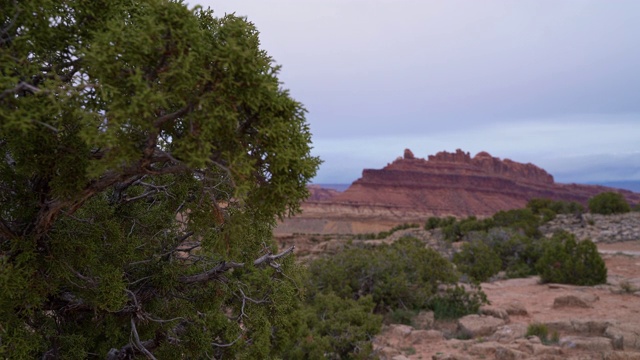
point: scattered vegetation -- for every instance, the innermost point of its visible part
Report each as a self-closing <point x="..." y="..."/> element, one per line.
<point x="511" y="241"/>
<point x="404" y="275"/>
<point x="385" y="234"/>
<point x="607" y="203"/>
<point x="540" y="330"/>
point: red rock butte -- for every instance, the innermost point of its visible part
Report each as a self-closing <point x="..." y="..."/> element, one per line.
<point x="412" y="189"/>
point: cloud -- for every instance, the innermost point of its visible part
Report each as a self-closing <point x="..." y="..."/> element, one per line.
<point x="554" y="83"/>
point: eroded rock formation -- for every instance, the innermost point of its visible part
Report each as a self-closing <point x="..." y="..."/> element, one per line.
<point x="444" y="184"/>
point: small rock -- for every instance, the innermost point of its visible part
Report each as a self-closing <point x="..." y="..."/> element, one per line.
<point x="399" y="357"/>
<point x="508" y="333"/>
<point x="516" y="308"/>
<point x="534" y="340"/>
<point x="400" y="330"/>
<point x="495" y="312"/>
<point x="476" y="325"/>
<point x="575" y="300"/>
<point x="484" y="349"/>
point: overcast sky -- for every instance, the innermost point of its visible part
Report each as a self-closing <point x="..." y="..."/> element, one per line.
<point x="551" y="82"/>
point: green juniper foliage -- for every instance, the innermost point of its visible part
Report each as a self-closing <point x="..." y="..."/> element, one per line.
<point x="607" y="203"/>
<point x="477" y="260"/>
<point x="568" y="261"/>
<point x="405" y="275"/>
<point x="146" y="151"/>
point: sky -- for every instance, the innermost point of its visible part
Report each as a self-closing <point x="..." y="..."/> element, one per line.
<point x="552" y="82"/>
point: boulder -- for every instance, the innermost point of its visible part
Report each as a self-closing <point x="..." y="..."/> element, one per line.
<point x="387" y="352"/>
<point x="494" y="311"/>
<point x="424" y="320"/>
<point x="622" y="355"/>
<point x="582" y="300"/>
<point x="627" y="335"/>
<point x="515" y="308"/>
<point x="591" y="344"/>
<point x="477" y="325"/>
<point x="484" y="349"/>
<point x="400" y="330"/>
<point x="508" y="333"/>
<point x="394" y="336"/>
<point x="590" y="327"/>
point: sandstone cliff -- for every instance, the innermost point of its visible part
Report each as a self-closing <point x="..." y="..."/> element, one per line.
<point x="412" y="189"/>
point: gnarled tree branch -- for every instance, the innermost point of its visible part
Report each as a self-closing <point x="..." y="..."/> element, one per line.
<point x="226" y="266"/>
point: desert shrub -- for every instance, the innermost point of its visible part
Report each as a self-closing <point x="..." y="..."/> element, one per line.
<point x="477" y="260"/>
<point x="607" y="203"/>
<point x="456" y="301"/>
<point x="432" y="223"/>
<point x="538" y="329"/>
<point x="336" y="328"/>
<point x="460" y="229"/>
<point x="518" y="253"/>
<point x="403" y="274"/>
<point x="567" y="261"/>
<point x="520" y="219"/>
<point x="401" y="316"/>
<point x="567" y="207"/>
<point x="436" y="222"/>
<point x="547" y="215"/>
<point x="402" y="278"/>
<point x="540" y="205"/>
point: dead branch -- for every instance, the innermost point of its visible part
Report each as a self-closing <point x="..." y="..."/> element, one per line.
<point x="229" y="344"/>
<point x="224" y="266"/>
<point x="138" y="344"/>
<point x="244" y="302"/>
<point x="210" y="274"/>
<point x="269" y="259"/>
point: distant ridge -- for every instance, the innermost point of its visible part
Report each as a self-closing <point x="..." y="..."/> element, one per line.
<point x="411" y="189"/>
<point x="633" y="185"/>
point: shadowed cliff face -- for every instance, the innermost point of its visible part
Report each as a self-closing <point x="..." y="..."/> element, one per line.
<point x="413" y="189"/>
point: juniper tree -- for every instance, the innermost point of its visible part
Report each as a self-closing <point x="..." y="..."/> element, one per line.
<point x="146" y="152"/>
